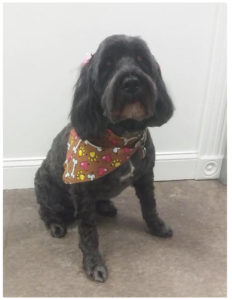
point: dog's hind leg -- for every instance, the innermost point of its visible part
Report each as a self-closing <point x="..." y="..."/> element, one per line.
<point x="106" y="208"/>
<point x="53" y="222"/>
<point x="55" y="208"/>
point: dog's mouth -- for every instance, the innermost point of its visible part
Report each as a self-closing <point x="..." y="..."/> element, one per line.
<point x="135" y="111"/>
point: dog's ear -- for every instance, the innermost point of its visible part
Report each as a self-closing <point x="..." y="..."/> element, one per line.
<point x="86" y="113"/>
<point x="164" y="107"/>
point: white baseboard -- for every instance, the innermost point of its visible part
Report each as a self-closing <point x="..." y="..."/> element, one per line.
<point x="19" y="173"/>
<point x="175" y="166"/>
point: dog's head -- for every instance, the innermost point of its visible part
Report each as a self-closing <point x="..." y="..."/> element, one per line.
<point x="122" y="85"/>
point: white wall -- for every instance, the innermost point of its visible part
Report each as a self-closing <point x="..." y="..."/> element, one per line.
<point x="44" y="45"/>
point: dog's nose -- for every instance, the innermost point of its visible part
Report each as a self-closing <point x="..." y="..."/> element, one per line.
<point x="130" y="84"/>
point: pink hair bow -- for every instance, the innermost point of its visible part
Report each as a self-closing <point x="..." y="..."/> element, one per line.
<point x="87" y="58"/>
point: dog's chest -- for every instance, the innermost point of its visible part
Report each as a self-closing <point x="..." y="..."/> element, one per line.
<point x="129" y="174"/>
<point x="114" y="183"/>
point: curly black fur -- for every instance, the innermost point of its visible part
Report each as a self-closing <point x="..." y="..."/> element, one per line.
<point x="120" y="72"/>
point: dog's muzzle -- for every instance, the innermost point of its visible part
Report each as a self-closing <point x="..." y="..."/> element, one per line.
<point x="130" y="96"/>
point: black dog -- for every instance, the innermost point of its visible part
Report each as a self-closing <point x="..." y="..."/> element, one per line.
<point x="121" y="89"/>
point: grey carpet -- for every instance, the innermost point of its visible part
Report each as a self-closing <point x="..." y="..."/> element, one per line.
<point x="190" y="264"/>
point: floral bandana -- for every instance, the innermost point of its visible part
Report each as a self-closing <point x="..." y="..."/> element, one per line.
<point x="86" y="161"/>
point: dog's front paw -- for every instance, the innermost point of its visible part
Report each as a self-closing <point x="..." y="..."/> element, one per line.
<point x="95" y="269"/>
<point x="159" y="228"/>
<point x="58" y="230"/>
<point x="97" y="273"/>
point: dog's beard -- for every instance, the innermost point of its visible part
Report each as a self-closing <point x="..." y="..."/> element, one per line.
<point x="134" y="111"/>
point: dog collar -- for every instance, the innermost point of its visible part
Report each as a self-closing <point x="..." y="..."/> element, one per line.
<point x="87" y="161"/>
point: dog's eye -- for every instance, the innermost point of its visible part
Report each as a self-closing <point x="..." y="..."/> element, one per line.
<point x="139" y="58"/>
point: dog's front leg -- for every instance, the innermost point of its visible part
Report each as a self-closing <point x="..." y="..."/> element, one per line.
<point x="92" y="261"/>
<point x="145" y="191"/>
